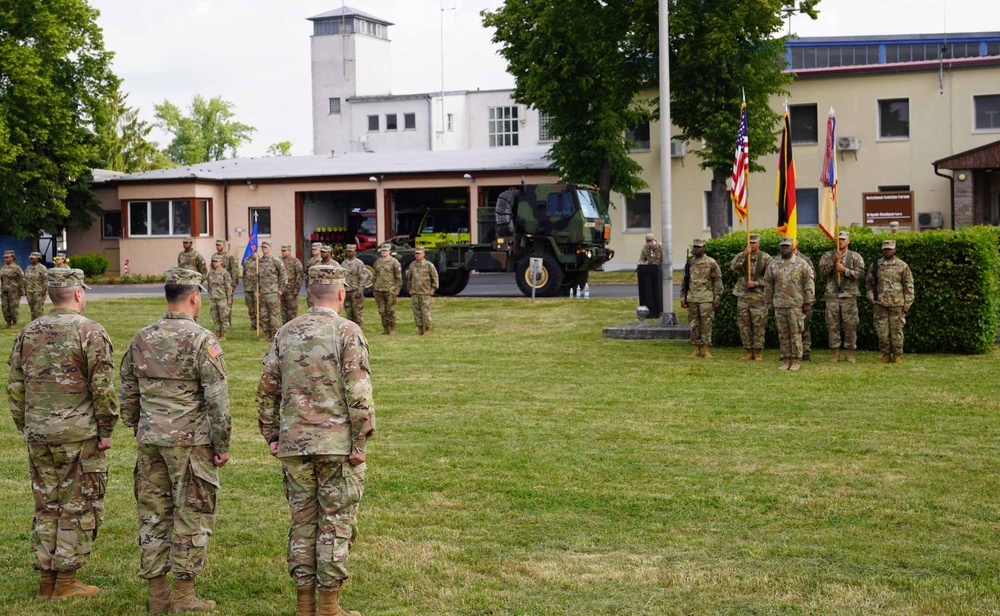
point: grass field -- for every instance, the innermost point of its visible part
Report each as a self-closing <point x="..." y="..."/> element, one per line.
<point x="525" y="465"/>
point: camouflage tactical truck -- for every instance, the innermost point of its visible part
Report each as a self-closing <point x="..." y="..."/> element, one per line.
<point x="565" y="225"/>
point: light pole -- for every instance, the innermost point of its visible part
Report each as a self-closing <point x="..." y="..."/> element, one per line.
<point x="668" y="317"/>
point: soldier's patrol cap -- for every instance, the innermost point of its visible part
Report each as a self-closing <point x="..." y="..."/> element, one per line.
<point x="418" y="250"/>
<point x="888" y="244"/>
<point x="64" y="277"/>
<point x="187" y="240"/>
<point x="35" y="255"/>
<point x="317" y="246"/>
<point x="351" y="248"/>
<point x="60" y="255"/>
<point x="265" y="244"/>
<point x="649" y="237"/>
<point x="385" y="246"/>
<point x="698" y="242"/>
<point x="183" y="277"/>
<point x="326" y="274"/>
<point x="326" y="248"/>
<point x="755" y="237"/>
<point x="786" y="241"/>
<point x="286" y="247"/>
<point x="9" y="253"/>
<point x="220" y="242"/>
<point x="894" y="224"/>
<point x="217" y="257"/>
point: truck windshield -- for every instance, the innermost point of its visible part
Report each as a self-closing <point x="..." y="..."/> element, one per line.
<point x="590" y="204"/>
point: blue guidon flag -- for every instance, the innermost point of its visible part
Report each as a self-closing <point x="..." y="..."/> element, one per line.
<point x="252" y="245"/>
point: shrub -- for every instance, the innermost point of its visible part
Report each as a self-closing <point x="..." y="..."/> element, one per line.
<point x="956" y="287"/>
<point x="91" y="263"/>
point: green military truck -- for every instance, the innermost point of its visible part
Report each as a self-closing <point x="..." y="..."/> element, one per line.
<point x="565" y="225"/>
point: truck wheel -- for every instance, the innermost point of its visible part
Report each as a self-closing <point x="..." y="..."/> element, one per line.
<point x="369" y="261"/>
<point x="453" y="282"/>
<point x="550" y="277"/>
<point x="504" y="211"/>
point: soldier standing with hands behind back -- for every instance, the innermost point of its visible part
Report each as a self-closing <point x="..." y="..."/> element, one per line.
<point x="701" y="296"/>
<point x="890" y="290"/>
<point x="751" y="311"/>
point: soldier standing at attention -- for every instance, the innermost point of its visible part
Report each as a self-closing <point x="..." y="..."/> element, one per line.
<point x="422" y="281"/>
<point x="315" y="259"/>
<point x="790" y="290"/>
<point x="293" y="282"/>
<point x="191" y="259"/>
<point x="388" y="281"/>
<point x="751" y="311"/>
<point x="62" y="396"/>
<point x="59" y="260"/>
<point x="220" y="294"/>
<point x="316" y="413"/>
<point x="894" y="227"/>
<point x="652" y="252"/>
<point x="11" y="288"/>
<point x="35" y="285"/>
<point x="890" y="290"/>
<point x="175" y="397"/>
<point x="842" y="269"/>
<point x="326" y="255"/>
<point x="701" y="297"/>
<point x="250" y="289"/>
<point x="272" y="289"/>
<point x="355" y="281"/>
<point x="232" y="265"/>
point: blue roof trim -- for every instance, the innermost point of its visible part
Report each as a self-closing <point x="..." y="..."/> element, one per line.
<point x="900" y="39"/>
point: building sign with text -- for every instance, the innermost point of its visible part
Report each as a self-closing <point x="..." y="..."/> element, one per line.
<point x="881" y="208"/>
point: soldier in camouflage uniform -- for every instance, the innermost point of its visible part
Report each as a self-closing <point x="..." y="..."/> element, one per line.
<point x="422" y="282"/>
<point x="842" y="269"/>
<point x="250" y="289"/>
<point x="701" y="297"/>
<point x="316" y="413"/>
<point x="388" y="281"/>
<point x="231" y="264"/>
<point x="35" y="285"/>
<point x="293" y="282"/>
<point x="62" y="396"/>
<point x="355" y="281"/>
<point x="191" y="259"/>
<point x="790" y="290"/>
<point x="220" y="294"/>
<point x="751" y="311"/>
<point x="806" y="327"/>
<point x="652" y="252"/>
<point x="11" y="288"/>
<point x="890" y="290"/>
<point x="60" y="260"/>
<point x="314" y="259"/>
<point x="326" y="255"/>
<point x="175" y="397"/>
<point x="272" y="289"/>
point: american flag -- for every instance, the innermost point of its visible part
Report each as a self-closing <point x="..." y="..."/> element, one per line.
<point x="741" y="169"/>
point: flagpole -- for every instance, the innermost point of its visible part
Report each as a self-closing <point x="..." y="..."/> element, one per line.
<point x="256" y="256"/>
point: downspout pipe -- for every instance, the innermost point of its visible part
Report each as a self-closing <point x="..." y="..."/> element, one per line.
<point x="951" y="180"/>
<point x="225" y="207"/>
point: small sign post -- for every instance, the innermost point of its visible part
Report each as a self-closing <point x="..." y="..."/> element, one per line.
<point x="536" y="270"/>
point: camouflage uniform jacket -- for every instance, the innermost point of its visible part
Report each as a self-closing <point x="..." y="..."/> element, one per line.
<point x="250" y="275"/>
<point x="315" y="394"/>
<point x="313" y="261"/>
<point x="35" y="280"/>
<point x="293" y="274"/>
<point x="357" y="274"/>
<point x="706" y="281"/>
<point x="758" y="266"/>
<point x="789" y="283"/>
<point x="174" y="389"/>
<point x="895" y="283"/>
<point x="220" y="284"/>
<point x="232" y="265"/>
<point x="12" y="278"/>
<point x="192" y="260"/>
<point x="62" y="380"/>
<point x="272" y="275"/>
<point x="422" y="278"/>
<point x="388" y="275"/>
<point x="651" y="254"/>
<point x="330" y="261"/>
<point x="855" y="265"/>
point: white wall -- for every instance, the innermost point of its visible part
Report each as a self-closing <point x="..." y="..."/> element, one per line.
<point x="401" y="139"/>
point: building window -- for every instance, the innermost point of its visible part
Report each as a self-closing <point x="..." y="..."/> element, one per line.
<point x="203" y="218"/>
<point x="894" y="118"/>
<point x="409" y="121"/>
<point x="637" y="136"/>
<point x="334" y="105"/>
<point x="111" y="225"/>
<point x="706" y="201"/>
<point x="802" y="119"/>
<point x="390" y="121"/>
<point x="166" y="218"/>
<point x="373" y="124"/>
<point x="263" y="220"/>
<point x="451" y="122"/>
<point x="987" y="112"/>
<point x="638" y="213"/>
<point x="503" y="125"/>
<point x="807" y="206"/>
<point x="544" y="134"/>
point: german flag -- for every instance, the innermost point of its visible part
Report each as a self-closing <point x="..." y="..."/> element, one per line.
<point x="787" y="215"/>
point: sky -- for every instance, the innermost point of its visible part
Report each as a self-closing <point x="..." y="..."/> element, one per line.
<point x="255" y="53"/>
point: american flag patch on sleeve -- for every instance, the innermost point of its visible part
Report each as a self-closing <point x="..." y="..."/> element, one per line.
<point x="215" y="351"/>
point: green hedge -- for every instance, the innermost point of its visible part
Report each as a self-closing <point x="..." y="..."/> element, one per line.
<point x="91" y="263"/>
<point x="956" y="280"/>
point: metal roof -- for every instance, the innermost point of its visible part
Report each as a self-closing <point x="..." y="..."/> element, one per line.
<point x="349" y="12"/>
<point x="513" y="159"/>
<point x="955" y="37"/>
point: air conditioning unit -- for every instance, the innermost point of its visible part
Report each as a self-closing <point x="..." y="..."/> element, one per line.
<point x="848" y="144"/>
<point x="930" y="220"/>
<point x="678" y="148"/>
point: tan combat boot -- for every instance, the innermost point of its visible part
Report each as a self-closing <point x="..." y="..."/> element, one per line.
<point x="329" y="604"/>
<point x="392" y="330"/>
<point x="836" y="356"/>
<point x="159" y="595"/>
<point x="184" y="599"/>
<point x="305" y="601"/>
<point x="385" y="330"/>
<point x="46" y="585"/>
<point x="757" y="355"/>
<point x="886" y="358"/>
<point x="697" y="351"/>
<point x="68" y="587"/>
<point x="706" y="353"/>
<point x="785" y="364"/>
<point x="897" y="359"/>
<point x="420" y="331"/>
<point x="794" y="366"/>
<point x="748" y="355"/>
<point x="850" y="356"/>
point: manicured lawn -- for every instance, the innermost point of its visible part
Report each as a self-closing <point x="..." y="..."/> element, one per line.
<point x="525" y="465"/>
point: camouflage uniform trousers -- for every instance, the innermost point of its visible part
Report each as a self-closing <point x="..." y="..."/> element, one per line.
<point x="251" y="302"/>
<point x="222" y="314"/>
<point x="421" y="306"/>
<point x="289" y="307"/>
<point x="889" y="322"/>
<point x="354" y="307"/>
<point x="270" y="312"/>
<point x="751" y="315"/>
<point x="68" y="482"/>
<point x="175" y="491"/>
<point x="842" y="321"/>
<point x="11" y="305"/>
<point x="323" y="493"/>
<point x="700" y="316"/>
<point x="386" y="303"/>
<point x="36" y="302"/>
<point x="790" y="322"/>
<point x="806" y="334"/>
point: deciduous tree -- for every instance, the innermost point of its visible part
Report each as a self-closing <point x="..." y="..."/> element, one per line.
<point x="207" y="132"/>
<point x="122" y="140"/>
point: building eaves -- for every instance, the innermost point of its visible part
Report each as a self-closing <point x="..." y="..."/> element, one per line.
<point x="379" y="98"/>
<point x="957" y="37"/>
<point x="349" y="12"/>
<point x="897" y="67"/>
<point x="984" y="157"/>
